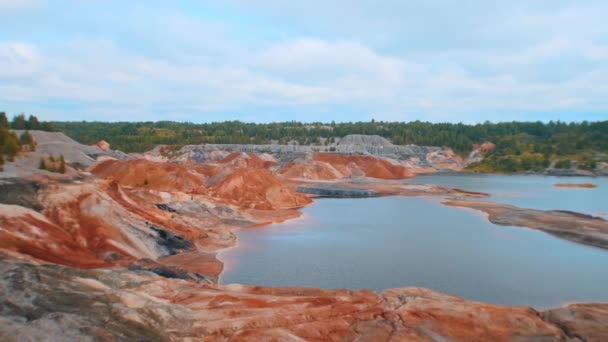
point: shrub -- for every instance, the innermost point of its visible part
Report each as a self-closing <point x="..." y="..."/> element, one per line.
<point x="53" y="165"/>
<point x="61" y="168"/>
<point x="26" y="139"/>
<point x="563" y="164"/>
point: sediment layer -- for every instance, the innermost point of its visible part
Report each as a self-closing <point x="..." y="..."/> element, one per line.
<point x="61" y="303"/>
<point x="128" y="253"/>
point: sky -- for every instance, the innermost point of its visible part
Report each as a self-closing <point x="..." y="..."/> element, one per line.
<point x="272" y="60"/>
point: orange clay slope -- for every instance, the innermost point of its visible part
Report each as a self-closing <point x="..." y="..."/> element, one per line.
<point x="257" y="189"/>
<point x="311" y="170"/>
<point x="246" y="187"/>
<point x="369" y="166"/>
<point x="121" y="218"/>
<point x="329" y="166"/>
<point x="152" y="175"/>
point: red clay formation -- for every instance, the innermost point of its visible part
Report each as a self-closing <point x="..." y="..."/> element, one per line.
<point x="152" y="175"/>
<point x="257" y="189"/>
<point x="367" y="166"/>
<point x="148" y="222"/>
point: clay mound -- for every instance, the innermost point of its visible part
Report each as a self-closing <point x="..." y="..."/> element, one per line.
<point x="83" y="226"/>
<point x="487" y="147"/>
<point x="156" y="176"/>
<point x="366" y="165"/>
<point x="104" y="145"/>
<point x="251" y="160"/>
<point x="208" y="170"/>
<point x="257" y="189"/>
<point x="480" y="151"/>
<point x="312" y="170"/>
<point x="445" y="160"/>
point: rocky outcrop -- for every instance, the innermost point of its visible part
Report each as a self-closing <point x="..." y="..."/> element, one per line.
<point x="580" y="228"/>
<point x="331" y="190"/>
<point x="582" y="322"/>
<point x="166" y="271"/>
<point x="601" y="169"/>
<point x="413" y="157"/>
<point x="49" y="302"/>
<point x="56" y="143"/>
<point x="479" y="152"/>
<point x="249" y="160"/>
<point x="19" y="191"/>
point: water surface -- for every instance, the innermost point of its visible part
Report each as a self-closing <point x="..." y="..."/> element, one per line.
<point x="530" y="191"/>
<point x="380" y="243"/>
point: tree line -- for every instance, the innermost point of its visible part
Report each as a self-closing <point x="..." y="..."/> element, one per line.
<point x="519" y="145"/>
<point x="140" y="136"/>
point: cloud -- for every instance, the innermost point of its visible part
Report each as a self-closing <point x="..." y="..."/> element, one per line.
<point x="18" y="58"/>
<point x="305" y="54"/>
<point x="397" y="60"/>
<point x="19" y="5"/>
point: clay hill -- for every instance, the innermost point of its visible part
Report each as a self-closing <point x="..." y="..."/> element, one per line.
<point x="56" y="144"/>
<point x="416" y="159"/>
<point x="124" y="248"/>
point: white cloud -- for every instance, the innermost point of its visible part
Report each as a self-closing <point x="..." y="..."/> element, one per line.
<point x="18" y="58"/>
<point x="524" y="59"/>
<point x="308" y="54"/>
<point x="17" y="5"/>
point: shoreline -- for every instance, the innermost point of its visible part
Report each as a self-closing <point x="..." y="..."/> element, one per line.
<point x="446" y="200"/>
<point x="238" y="241"/>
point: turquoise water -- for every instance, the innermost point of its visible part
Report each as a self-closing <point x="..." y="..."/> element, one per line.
<point x="380" y="243"/>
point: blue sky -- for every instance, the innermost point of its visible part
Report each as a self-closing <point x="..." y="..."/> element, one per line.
<point x="272" y="60"/>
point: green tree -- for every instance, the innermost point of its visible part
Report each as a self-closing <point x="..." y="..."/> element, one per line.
<point x="3" y="120"/>
<point x="32" y="123"/>
<point x="19" y="122"/>
<point x="61" y="168"/>
<point x="9" y="144"/>
<point x="26" y="139"/>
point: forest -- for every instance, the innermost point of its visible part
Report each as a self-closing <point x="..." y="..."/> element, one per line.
<point x="520" y="146"/>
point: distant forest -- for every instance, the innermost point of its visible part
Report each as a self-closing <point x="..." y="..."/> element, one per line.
<point x="519" y="145"/>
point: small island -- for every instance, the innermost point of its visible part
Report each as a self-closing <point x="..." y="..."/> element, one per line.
<point x="576" y="185"/>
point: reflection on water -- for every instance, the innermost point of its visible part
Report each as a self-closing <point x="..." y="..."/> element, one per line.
<point x="380" y="243"/>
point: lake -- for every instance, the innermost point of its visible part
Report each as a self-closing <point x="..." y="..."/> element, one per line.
<point x="380" y="243"/>
<point x="530" y="191"/>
